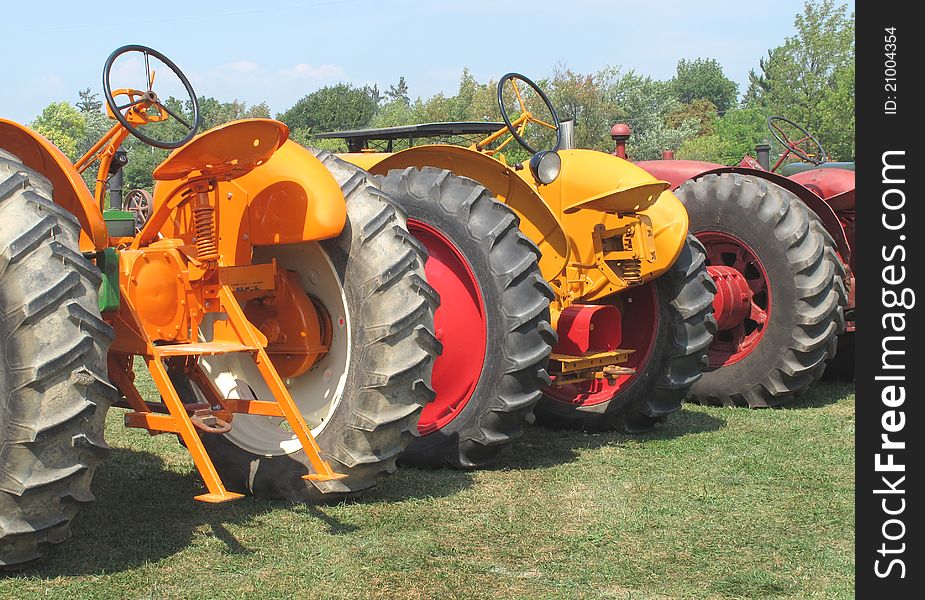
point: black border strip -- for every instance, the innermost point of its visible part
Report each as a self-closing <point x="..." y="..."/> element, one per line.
<point x="890" y="251"/>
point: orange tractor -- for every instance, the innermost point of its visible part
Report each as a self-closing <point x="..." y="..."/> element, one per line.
<point x="568" y="281"/>
<point x="274" y="295"/>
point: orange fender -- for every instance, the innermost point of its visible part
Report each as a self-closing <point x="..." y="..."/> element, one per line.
<point x="70" y="191"/>
<point x="291" y="198"/>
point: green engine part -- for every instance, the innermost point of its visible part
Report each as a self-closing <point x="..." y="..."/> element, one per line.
<point x="108" y="262"/>
<point x="119" y="223"/>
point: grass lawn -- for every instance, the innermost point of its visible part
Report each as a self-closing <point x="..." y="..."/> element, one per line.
<point x="715" y="504"/>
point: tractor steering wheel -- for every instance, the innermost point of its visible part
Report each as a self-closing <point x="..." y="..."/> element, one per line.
<point x="816" y="158"/>
<point x="141" y="102"/>
<point x="519" y="125"/>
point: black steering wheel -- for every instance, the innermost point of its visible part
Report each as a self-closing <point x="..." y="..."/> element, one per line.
<point x="774" y="124"/>
<point x="140" y="102"/>
<point x="525" y="116"/>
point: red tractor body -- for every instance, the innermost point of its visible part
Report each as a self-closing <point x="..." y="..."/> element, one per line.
<point x="735" y="211"/>
<point x="828" y="192"/>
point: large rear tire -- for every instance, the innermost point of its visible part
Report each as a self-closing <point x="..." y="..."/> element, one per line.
<point x="54" y="391"/>
<point x="797" y="281"/>
<point x="669" y="322"/>
<point x="386" y="348"/>
<point x="493" y="320"/>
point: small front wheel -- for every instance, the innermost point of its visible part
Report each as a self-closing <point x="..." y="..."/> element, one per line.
<point x="669" y="323"/>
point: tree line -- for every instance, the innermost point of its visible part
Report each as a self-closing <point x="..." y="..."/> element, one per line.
<point x="698" y="113"/>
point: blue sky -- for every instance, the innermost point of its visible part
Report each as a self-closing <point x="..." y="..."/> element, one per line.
<point x="279" y="51"/>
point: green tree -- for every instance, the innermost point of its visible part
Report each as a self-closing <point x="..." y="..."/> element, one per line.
<point x="702" y="112"/>
<point x="214" y="113"/>
<point x="581" y="97"/>
<point x="88" y="102"/>
<point x="735" y="134"/>
<point x="63" y="125"/>
<point x="644" y="104"/>
<point x="810" y="78"/>
<point x="393" y="114"/>
<point x="399" y="91"/>
<point x="703" y="79"/>
<point x="331" y="108"/>
<point x="374" y="93"/>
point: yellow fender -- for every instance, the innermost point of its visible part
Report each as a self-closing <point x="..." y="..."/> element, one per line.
<point x="537" y="221"/>
<point x="593" y="190"/>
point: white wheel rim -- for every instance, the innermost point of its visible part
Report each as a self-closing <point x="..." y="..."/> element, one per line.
<point x="316" y="392"/>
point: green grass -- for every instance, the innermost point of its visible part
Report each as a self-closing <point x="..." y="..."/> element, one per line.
<point x="715" y="504"/>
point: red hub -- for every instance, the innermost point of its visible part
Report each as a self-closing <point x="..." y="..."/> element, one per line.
<point x="459" y="323"/>
<point x="640" y="314"/>
<point x="742" y="305"/>
<point x="733" y="301"/>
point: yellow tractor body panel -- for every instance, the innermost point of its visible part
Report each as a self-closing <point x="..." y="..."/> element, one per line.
<point x="575" y="219"/>
<point x="368" y="160"/>
<point x="598" y="192"/>
<point x="70" y="191"/>
<point x="289" y="199"/>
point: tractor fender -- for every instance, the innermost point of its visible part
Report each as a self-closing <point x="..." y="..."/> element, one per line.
<point x="290" y="198"/>
<point x="835" y="186"/>
<point x="616" y="186"/>
<point x="538" y="220"/>
<point x="678" y="171"/>
<point x="70" y="191"/>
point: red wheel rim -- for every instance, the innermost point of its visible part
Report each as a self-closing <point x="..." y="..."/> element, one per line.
<point x="640" y="317"/>
<point x="732" y="345"/>
<point x="459" y="324"/>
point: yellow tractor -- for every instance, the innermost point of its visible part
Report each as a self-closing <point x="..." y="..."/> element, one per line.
<point x="274" y="295"/>
<point x="570" y="278"/>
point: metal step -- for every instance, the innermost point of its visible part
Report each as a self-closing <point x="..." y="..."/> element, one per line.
<point x="202" y="349"/>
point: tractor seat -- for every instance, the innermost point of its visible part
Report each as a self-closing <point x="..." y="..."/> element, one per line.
<point x="225" y="152"/>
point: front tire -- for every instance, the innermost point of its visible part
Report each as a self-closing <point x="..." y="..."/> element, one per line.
<point x="54" y="390"/>
<point x="387" y="346"/>
<point x="669" y="322"/>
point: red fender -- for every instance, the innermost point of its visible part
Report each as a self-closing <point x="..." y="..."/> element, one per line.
<point x="678" y="171"/>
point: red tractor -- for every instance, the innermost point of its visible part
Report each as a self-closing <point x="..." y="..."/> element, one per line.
<point x="781" y="251"/>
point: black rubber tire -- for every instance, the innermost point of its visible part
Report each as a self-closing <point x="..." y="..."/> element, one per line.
<point x="519" y="337"/>
<point x="684" y="331"/>
<point x="381" y="267"/>
<point x="807" y="288"/>
<point x="841" y="367"/>
<point x="54" y="391"/>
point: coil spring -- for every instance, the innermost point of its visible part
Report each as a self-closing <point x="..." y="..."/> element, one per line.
<point x="630" y="270"/>
<point x="204" y="225"/>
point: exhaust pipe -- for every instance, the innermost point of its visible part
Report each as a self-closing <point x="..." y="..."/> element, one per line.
<point x="119" y="160"/>
<point x="567" y="130"/>
<point x="763" y="155"/>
